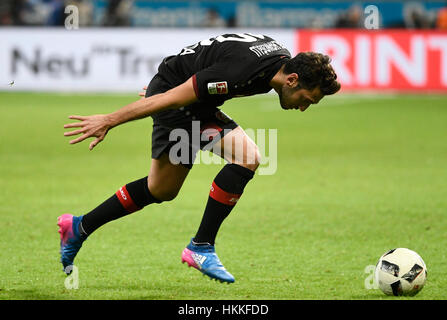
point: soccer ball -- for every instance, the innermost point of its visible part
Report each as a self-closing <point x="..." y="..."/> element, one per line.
<point x="400" y="272"/>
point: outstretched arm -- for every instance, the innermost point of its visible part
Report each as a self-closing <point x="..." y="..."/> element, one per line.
<point x="98" y="125"/>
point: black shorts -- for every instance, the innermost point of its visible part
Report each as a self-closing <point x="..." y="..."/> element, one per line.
<point x="181" y="133"/>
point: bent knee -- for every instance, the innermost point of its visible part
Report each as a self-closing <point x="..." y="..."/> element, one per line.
<point x="252" y="159"/>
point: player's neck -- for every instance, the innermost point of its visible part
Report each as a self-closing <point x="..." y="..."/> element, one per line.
<point x="278" y="80"/>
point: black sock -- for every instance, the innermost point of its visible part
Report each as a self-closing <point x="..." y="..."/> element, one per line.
<point x="225" y="191"/>
<point x="129" y="198"/>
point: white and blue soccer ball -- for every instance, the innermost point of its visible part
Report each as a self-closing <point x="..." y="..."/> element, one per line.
<point x="400" y="272"/>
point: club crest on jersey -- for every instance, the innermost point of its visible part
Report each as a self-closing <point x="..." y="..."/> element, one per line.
<point x="218" y="87"/>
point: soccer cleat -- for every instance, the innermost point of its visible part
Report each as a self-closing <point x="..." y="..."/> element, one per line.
<point x="205" y="259"/>
<point x="71" y="240"/>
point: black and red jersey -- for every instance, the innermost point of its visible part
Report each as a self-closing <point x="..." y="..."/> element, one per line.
<point x="224" y="67"/>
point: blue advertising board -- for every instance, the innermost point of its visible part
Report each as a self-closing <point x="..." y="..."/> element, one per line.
<point x="260" y="13"/>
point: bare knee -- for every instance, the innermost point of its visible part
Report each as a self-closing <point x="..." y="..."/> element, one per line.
<point x="252" y="159"/>
<point x="238" y="148"/>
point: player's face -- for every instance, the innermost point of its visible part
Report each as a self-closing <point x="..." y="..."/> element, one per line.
<point x="293" y="98"/>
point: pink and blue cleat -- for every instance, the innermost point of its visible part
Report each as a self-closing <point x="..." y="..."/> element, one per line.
<point x="71" y="239"/>
<point x="205" y="259"/>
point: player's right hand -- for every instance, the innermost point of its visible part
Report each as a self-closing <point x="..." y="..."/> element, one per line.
<point x="90" y="126"/>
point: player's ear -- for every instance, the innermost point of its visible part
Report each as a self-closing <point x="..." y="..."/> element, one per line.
<point x="292" y="80"/>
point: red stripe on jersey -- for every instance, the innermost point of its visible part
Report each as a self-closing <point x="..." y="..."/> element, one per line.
<point x="126" y="200"/>
<point x="224" y="197"/>
<point x="194" y="84"/>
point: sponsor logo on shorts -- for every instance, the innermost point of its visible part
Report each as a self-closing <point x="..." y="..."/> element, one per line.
<point x="218" y="87"/>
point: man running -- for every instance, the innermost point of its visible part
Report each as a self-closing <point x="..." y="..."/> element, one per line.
<point x="188" y="89"/>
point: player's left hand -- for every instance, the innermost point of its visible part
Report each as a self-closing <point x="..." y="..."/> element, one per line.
<point x="143" y="94"/>
<point x="91" y="126"/>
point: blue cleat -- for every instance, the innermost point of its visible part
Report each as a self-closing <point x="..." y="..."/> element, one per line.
<point x="205" y="259"/>
<point x="71" y="240"/>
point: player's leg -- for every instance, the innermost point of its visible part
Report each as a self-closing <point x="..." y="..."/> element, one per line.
<point x="166" y="179"/>
<point x="244" y="158"/>
<point x="162" y="184"/>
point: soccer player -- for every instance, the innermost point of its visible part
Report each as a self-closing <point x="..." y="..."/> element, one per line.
<point x="188" y="88"/>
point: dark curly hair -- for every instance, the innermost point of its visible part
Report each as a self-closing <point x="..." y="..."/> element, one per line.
<point x="314" y="70"/>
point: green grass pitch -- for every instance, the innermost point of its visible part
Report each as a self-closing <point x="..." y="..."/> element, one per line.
<point x="356" y="176"/>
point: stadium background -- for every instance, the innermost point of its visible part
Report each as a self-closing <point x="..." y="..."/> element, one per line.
<point x="359" y="174"/>
<point x="118" y="44"/>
